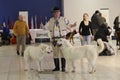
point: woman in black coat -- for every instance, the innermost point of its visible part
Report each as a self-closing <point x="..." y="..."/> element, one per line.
<point x="102" y="33"/>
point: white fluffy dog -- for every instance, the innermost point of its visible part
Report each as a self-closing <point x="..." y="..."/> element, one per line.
<point x="72" y="53"/>
<point x="36" y="53"/>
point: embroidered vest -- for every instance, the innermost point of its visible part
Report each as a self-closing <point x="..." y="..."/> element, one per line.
<point x="62" y="26"/>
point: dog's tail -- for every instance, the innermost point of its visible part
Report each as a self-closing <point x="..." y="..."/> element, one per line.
<point x="100" y="45"/>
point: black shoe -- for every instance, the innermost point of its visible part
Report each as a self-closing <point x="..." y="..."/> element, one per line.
<point x="56" y="62"/>
<point x="63" y="63"/>
<point x="22" y="54"/>
<point x="63" y="70"/>
<point x="56" y="69"/>
<point x="18" y="53"/>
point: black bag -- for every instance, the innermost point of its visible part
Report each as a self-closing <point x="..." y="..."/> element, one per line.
<point x="105" y="53"/>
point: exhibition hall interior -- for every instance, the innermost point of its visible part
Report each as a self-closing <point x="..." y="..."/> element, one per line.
<point x="60" y="40"/>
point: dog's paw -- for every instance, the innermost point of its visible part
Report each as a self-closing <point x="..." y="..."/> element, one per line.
<point x="31" y="68"/>
<point x="92" y="71"/>
<point x="68" y="71"/>
<point x="73" y="71"/>
<point x="39" y="71"/>
<point x="25" y="69"/>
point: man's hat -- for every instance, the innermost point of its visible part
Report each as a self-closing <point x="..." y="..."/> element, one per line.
<point x="55" y="9"/>
<point x="97" y="11"/>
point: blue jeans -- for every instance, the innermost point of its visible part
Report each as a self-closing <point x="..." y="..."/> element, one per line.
<point x="86" y="40"/>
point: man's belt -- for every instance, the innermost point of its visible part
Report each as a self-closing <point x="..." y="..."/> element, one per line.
<point x="54" y="41"/>
<point x="58" y="37"/>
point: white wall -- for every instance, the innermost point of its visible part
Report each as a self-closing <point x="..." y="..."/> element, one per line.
<point x="74" y="9"/>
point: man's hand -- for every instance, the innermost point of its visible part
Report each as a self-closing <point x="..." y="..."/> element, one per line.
<point x="92" y="37"/>
<point x="81" y="38"/>
<point x="15" y="34"/>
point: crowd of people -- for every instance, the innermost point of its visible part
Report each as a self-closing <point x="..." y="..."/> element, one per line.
<point x="88" y="30"/>
<point x="95" y="29"/>
<point x="58" y="26"/>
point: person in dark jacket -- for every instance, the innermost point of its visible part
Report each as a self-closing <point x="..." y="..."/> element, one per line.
<point x="103" y="32"/>
<point x="6" y="35"/>
<point x="95" y="19"/>
<point x="117" y="29"/>
<point x="116" y="23"/>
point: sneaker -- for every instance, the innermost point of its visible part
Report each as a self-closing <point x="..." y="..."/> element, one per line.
<point x="18" y="53"/>
<point x="56" y="69"/>
<point x="22" y="54"/>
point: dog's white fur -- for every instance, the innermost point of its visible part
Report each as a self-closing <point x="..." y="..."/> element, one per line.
<point x="36" y="53"/>
<point x="72" y="53"/>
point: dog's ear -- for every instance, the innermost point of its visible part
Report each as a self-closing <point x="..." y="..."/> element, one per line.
<point x="74" y="31"/>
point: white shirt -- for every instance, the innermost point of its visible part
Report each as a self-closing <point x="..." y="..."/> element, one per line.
<point x="63" y="25"/>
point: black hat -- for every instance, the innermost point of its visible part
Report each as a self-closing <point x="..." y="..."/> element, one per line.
<point x="97" y="11"/>
<point x="55" y="9"/>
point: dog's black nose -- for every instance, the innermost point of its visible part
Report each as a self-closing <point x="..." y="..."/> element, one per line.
<point x="48" y="52"/>
<point x="59" y="45"/>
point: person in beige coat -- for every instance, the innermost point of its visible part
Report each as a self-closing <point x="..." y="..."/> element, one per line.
<point x="20" y="30"/>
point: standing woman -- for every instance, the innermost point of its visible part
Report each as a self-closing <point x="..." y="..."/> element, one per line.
<point x="85" y="30"/>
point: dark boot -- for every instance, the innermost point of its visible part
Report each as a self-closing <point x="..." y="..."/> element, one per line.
<point x="63" y="63"/>
<point x="22" y="54"/>
<point x="56" y="62"/>
<point x="18" y="52"/>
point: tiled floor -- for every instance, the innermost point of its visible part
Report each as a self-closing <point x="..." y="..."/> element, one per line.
<point x="12" y="68"/>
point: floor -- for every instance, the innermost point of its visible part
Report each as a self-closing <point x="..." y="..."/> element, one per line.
<point x="12" y="68"/>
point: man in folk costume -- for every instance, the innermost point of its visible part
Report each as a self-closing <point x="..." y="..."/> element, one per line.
<point x="58" y="27"/>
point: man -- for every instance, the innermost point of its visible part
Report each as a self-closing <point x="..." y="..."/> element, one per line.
<point x="103" y="32"/>
<point x="20" y="30"/>
<point x="116" y="23"/>
<point x="95" y="19"/>
<point x="58" y="26"/>
<point x="117" y="29"/>
<point x="6" y="35"/>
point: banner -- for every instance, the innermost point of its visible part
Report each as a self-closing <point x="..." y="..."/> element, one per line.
<point x="39" y="34"/>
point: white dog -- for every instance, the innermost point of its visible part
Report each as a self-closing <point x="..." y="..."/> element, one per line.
<point x="72" y="53"/>
<point x="36" y="53"/>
